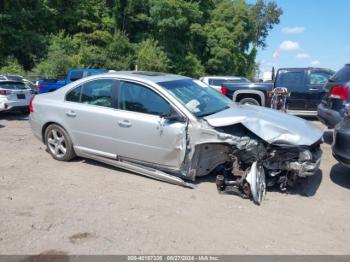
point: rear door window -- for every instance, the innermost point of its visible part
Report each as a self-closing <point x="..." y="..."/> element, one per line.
<point x="216" y="82"/>
<point x="99" y="92"/>
<point x="319" y="77"/>
<point x="290" y="78"/>
<point x="75" y="75"/>
<point x="74" y="95"/>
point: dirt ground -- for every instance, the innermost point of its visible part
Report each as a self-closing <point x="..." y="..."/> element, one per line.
<point x="84" y="207"/>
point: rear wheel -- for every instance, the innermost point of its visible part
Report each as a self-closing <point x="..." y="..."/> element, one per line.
<point x="59" y="143"/>
<point x="249" y="101"/>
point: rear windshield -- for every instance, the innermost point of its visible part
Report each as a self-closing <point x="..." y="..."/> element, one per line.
<point x="75" y="75"/>
<point x="287" y="78"/>
<point x="219" y="82"/>
<point x="343" y="75"/>
<point x="239" y="80"/>
<point x="14" y="78"/>
<point x="13" y="86"/>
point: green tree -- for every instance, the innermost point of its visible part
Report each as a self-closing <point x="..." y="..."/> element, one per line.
<point x="191" y="66"/>
<point x="120" y="53"/>
<point x="62" y="55"/>
<point x="150" y="57"/>
<point x="12" y="67"/>
<point x="171" y="24"/>
<point x="132" y="18"/>
<point x="23" y="29"/>
<point x="234" y="33"/>
<point x="81" y="50"/>
<point x="188" y="37"/>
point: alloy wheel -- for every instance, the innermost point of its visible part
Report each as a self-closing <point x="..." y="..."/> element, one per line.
<point x="57" y="143"/>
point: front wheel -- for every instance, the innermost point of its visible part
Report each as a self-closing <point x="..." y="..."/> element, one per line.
<point x="59" y="143"/>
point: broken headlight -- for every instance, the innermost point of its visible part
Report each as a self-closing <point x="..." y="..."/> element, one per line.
<point x="305" y="156"/>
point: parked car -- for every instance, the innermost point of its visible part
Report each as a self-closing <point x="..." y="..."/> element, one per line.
<point x="14" y="96"/>
<point x="174" y="128"/>
<point x="341" y="143"/>
<point x="29" y="84"/>
<point x="305" y="86"/>
<point x="50" y="85"/>
<point x="331" y="110"/>
<point x="217" y="81"/>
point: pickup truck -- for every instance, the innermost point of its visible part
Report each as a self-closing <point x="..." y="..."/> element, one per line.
<point x="50" y="85"/>
<point x="305" y="86"/>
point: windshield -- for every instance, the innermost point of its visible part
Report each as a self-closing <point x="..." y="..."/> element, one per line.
<point x="197" y="97"/>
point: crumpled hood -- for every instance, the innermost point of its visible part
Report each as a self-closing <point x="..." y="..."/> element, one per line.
<point x="270" y="125"/>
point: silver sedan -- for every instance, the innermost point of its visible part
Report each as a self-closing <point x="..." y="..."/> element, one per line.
<point x="174" y="128"/>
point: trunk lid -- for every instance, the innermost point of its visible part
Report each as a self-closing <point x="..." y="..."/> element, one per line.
<point x="15" y="90"/>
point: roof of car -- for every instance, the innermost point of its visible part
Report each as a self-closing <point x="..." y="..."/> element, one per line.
<point x="155" y="77"/>
<point x="304" y="68"/>
<point x="11" y="81"/>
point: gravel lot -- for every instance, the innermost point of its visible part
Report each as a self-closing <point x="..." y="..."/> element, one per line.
<point x="84" y="207"/>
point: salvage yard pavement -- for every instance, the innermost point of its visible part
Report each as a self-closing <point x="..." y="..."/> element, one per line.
<point x="85" y="207"/>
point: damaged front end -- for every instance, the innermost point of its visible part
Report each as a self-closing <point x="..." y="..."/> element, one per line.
<point x="252" y="169"/>
<point x="246" y="162"/>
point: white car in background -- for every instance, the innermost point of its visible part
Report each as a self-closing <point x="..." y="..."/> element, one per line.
<point x="217" y="81"/>
<point x="14" y="96"/>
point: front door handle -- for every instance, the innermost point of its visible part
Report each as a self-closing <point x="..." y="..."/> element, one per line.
<point x="71" y="113"/>
<point x="313" y="89"/>
<point x="124" y="123"/>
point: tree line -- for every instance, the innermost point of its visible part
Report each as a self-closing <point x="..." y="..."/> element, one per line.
<point x="189" y="37"/>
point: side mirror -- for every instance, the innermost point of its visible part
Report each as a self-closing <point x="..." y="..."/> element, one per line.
<point x="174" y="117"/>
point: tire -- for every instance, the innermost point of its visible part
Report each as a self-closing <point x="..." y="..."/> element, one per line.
<point x="58" y="143"/>
<point x="249" y="101"/>
<point x="25" y="111"/>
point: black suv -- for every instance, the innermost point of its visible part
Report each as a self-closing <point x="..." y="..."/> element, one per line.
<point x="332" y="108"/>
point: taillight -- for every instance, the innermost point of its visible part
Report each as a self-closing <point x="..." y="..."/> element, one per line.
<point x="4" y="92"/>
<point x="31" y="108"/>
<point x="269" y="94"/>
<point x="223" y="90"/>
<point x="340" y="92"/>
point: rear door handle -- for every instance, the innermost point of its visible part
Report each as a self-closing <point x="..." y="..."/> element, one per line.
<point x="71" y="114"/>
<point x="313" y="89"/>
<point x="124" y="123"/>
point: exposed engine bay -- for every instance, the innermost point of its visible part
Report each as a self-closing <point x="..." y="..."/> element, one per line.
<point x="251" y="164"/>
